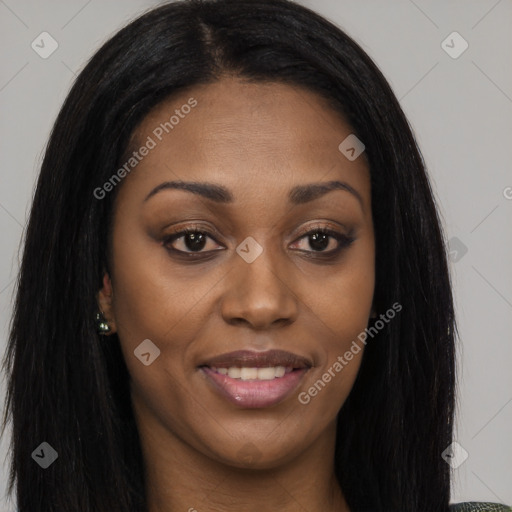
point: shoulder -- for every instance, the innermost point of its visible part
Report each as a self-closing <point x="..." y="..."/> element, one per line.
<point x="477" y="506"/>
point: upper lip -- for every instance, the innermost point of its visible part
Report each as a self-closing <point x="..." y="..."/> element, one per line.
<point x="251" y="359"/>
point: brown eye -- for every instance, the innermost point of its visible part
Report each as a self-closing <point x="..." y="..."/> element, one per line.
<point x="193" y="241"/>
<point x="319" y="239"/>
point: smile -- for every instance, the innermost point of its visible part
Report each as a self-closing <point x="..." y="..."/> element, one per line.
<point x="253" y="393"/>
<point x="255" y="379"/>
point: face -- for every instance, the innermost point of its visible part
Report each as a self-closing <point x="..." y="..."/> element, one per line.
<point x="267" y="265"/>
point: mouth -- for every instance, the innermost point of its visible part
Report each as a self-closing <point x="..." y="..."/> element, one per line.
<point x="255" y="379"/>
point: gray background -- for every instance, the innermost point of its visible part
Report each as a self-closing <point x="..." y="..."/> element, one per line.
<point x="460" y="109"/>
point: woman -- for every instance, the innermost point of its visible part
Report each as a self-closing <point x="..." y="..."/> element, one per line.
<point x="234" y="292"/>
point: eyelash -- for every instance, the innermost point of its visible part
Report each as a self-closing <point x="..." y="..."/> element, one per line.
<point x="344" y="242"/>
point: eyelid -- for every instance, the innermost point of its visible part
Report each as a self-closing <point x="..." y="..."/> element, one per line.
<point x="325" y="225"/>
<point x="215" y="235"/>
<point x="210" y="231"/>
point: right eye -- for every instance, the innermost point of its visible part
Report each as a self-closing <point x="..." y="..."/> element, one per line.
<point x="191" y="240"/>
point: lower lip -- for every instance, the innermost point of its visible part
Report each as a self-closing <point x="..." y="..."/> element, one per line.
<point x="254" y="394"/>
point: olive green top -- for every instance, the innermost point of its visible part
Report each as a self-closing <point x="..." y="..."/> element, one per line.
<point x="477" y="506"/>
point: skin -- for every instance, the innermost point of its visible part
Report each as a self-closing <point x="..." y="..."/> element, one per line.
<point x="258" y="140"/>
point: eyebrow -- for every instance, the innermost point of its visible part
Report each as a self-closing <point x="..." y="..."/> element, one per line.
<point x="299" y="194"/>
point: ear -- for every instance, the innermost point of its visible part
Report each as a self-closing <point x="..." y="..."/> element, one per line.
<point x="105" y="303"/>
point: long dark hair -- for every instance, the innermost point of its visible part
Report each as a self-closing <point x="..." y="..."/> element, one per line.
<point x="70" y="388"/>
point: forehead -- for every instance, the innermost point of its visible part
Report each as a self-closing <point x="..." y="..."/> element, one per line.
<point x="251" y="137"/>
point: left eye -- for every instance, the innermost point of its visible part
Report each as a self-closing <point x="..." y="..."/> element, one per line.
<point x="319" y="239"/>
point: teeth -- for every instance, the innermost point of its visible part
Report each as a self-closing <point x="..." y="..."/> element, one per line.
<point x="270" y="373"/>
<point x="267" y="373"/>
<point x="280" y="371"/>
<point x="234" y="373"/>
<point x="249" y="373"/>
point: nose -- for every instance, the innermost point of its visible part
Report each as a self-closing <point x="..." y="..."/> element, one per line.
<point x="260" y="293"/>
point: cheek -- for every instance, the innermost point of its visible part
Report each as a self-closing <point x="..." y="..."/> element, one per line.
<point x="342" y="297"/>
<point x="326" y="392"/>
<point x="339" y="311"/>
<point x="153" y="297"/>
<point x="341" y="315"/>
<point x="168" y="304"/>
